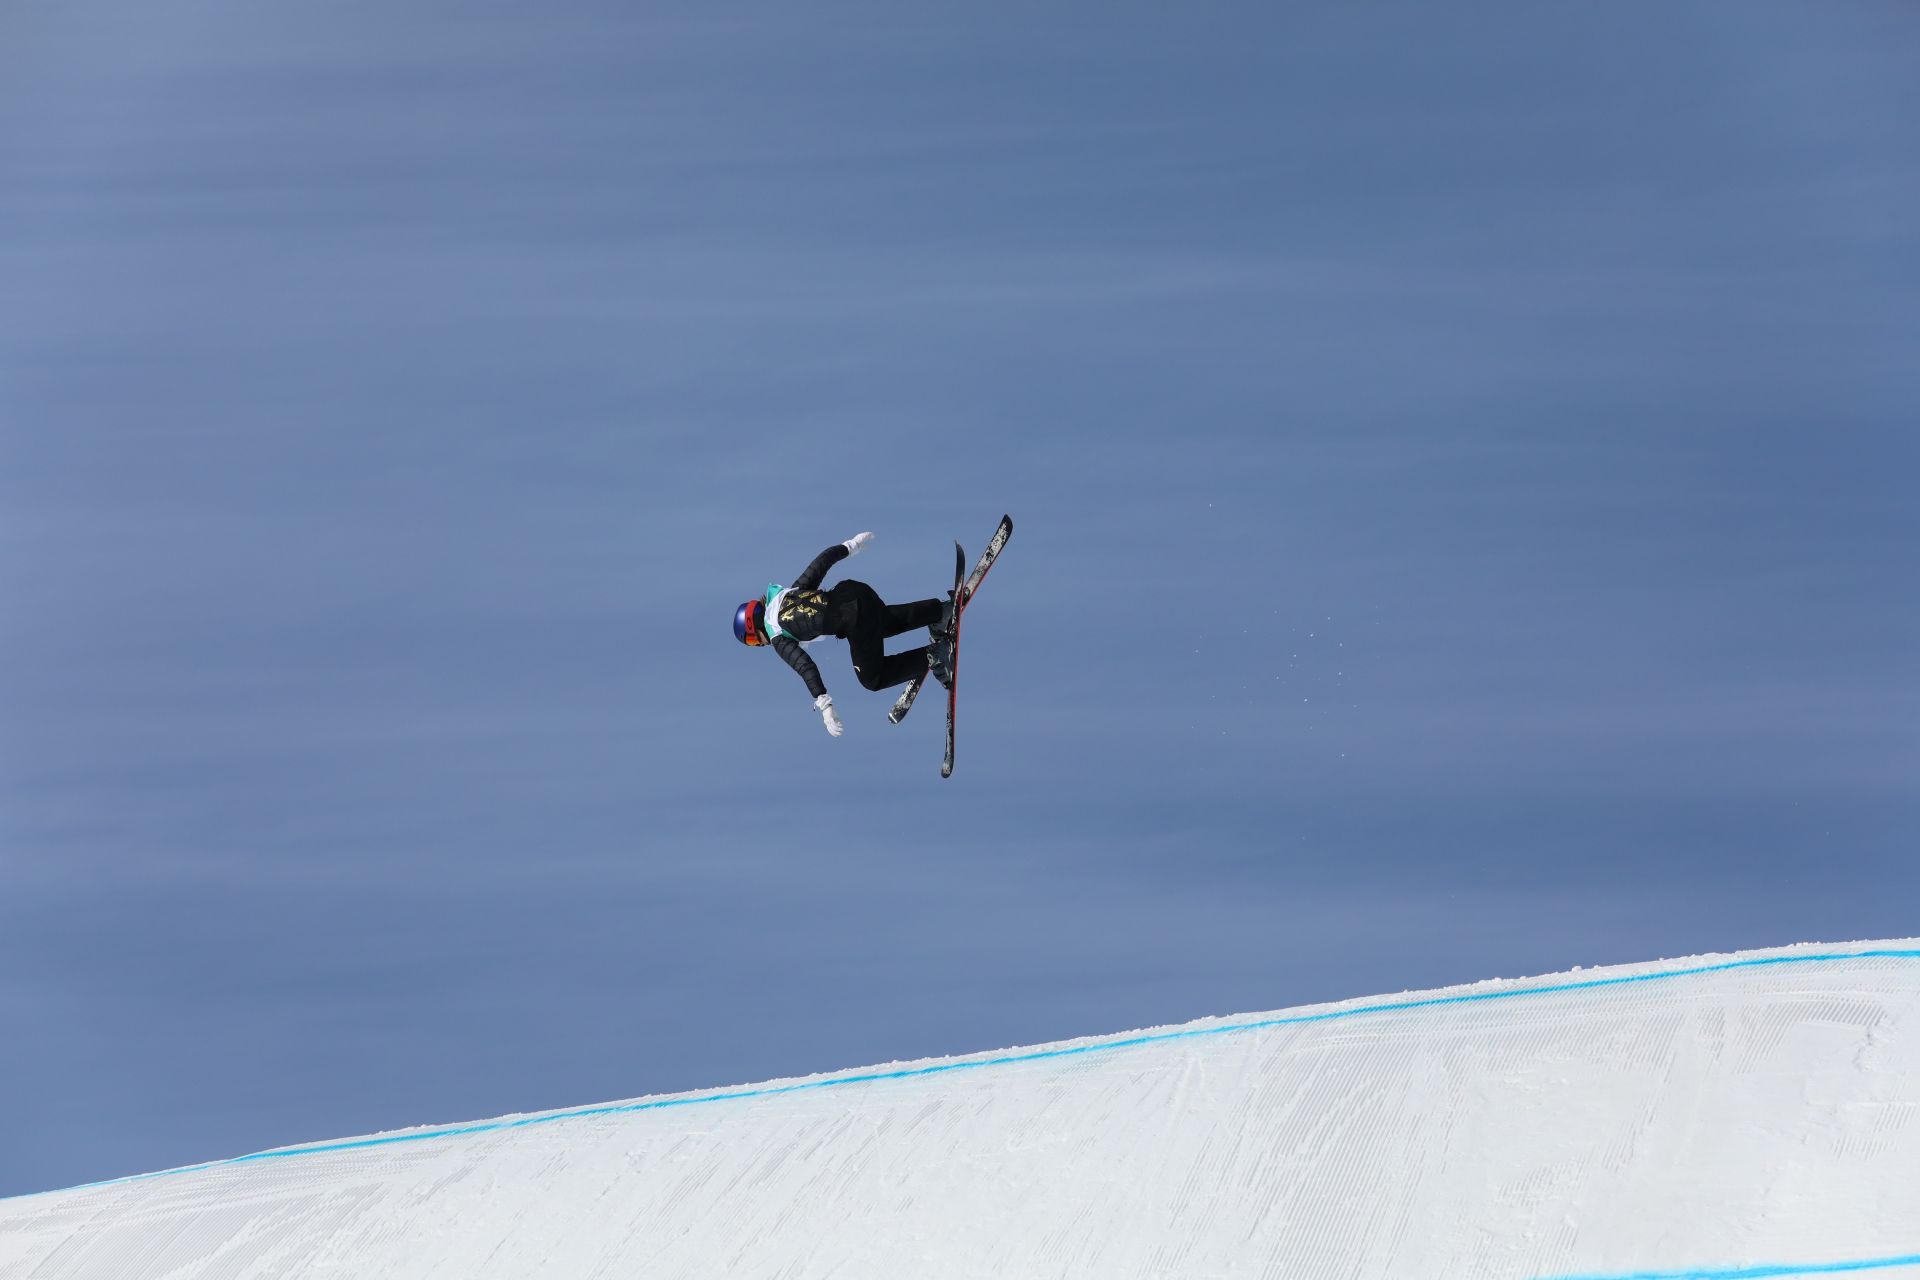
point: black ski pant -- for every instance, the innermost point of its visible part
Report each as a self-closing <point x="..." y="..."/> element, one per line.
<point x="873" y="622"/>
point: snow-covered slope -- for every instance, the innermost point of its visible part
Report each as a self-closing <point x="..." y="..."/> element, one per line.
<point x="1734" y="1116"/>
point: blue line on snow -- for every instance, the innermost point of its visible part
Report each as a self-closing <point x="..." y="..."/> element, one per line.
<point x="1759" y="1272"/>
<point x="1038" y="1055"/>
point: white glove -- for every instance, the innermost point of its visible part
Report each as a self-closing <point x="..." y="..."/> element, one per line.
<point x="824" y="705"/>
<point x="856" y="542"/>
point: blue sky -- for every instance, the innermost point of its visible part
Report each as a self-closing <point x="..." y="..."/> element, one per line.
<point x="1463" y="468"/>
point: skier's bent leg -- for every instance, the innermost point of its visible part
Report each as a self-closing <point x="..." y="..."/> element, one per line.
<point x="879" y="670"/>
<point x="891" y="669"/>
<point x="902" y="618"/>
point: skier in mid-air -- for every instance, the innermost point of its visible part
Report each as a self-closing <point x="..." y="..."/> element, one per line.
<point x="788" y="617"/>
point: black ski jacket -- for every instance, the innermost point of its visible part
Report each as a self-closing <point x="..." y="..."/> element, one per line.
<point x="807" y="613"/>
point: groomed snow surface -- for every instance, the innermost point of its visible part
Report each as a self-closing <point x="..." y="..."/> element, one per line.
<point x="1726" y="1116"/>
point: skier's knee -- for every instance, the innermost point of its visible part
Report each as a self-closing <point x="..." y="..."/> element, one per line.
<point x="870" y="678"/>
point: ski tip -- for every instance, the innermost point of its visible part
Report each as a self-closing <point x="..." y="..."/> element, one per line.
<point x="946" y="771"/>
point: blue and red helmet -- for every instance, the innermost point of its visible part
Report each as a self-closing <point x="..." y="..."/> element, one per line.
<point x="750" y="622"/>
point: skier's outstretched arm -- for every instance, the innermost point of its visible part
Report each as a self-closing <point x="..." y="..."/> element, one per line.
<point x="789" y="648"/>
<point x="809" y="578"/>
<point x="796" y="657"/>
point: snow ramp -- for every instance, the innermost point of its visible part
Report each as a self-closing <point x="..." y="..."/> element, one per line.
<point x="1732" y="1117"/>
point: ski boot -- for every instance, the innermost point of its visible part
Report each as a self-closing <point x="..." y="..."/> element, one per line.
<point x="940" y="647"/>
<point x="940" y="660"/>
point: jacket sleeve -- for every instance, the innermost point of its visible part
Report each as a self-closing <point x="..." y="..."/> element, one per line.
<point x="809" y="579"/>
<point x="796" y="657"/>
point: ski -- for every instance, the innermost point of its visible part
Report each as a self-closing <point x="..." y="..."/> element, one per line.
<point x="961" y="598"/>
<point x="904" y="703"/>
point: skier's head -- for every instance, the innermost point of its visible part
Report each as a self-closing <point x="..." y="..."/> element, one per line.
<point x="750" y="622"/>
